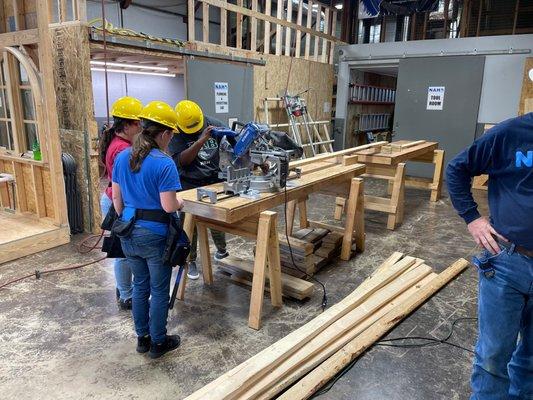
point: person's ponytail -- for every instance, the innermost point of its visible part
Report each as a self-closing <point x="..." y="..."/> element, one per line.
<point x="109" y="134"/>
<point x="144" y="143"/>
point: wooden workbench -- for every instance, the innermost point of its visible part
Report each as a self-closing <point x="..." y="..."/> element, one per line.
<point x="252" y="218"/>
<point x="387" y="161"/>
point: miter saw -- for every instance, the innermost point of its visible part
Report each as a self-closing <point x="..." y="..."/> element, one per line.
<point x="253" y="160"/>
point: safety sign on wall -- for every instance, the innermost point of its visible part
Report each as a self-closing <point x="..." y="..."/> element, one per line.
<point x="221" y="98"/>
<point x="435" y="98"/>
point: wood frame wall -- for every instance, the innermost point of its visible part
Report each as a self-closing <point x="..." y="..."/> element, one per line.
<point x="318" y="41"/>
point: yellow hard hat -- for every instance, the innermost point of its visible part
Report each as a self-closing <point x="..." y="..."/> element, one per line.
<point x="160" y="112"/>
<point x="127" y="107"/>
<point x="190" y="116"/>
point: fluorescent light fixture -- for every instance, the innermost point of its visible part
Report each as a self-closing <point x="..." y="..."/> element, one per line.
<point x="338" y="6"/>
<point x="138" y="66"/>
<point x="129" y="71"/>
<point x="315" y="6"/>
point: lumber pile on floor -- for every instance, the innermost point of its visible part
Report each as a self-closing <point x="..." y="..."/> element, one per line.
<point x="308" y="357"/>
<point x="312" y="249"/>
<point x="241" y="271"/>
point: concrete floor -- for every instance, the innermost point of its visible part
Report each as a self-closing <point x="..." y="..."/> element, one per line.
<point x="63" y="337"/>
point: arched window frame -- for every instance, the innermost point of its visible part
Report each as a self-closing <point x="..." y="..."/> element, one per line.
<point x="22" y="118"/>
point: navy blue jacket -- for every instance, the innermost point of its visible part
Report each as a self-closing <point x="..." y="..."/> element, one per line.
<point x="505" y="153"/>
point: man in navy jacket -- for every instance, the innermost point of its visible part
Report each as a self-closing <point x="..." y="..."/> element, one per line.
<point x="503" y="366"/>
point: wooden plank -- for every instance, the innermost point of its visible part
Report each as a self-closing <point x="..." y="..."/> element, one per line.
<point x="239" y="27"/>
<point x="334" y="333"/>
<point x="205" y="254"/>
<point x="274" y="264"/>
<point x="325" y="42"/>
<point x="246" y="374"/>
<point x="436" y="189"/>
<point x="302" y="213"/>
<point x="397" y="199"/>
<point x="205" y="22"/>
<point x="308" y="25"/>
<point x="266" y="37"/>
<point x="20" y="187"/>
<point x="288" y="44"/>
<point x="316" y="44"/>
<point x="526" y="96"/>
<point x="224" y="26"/>
<point x="260" y="267"/>
<point x="298" y="33"/>
<point x="279" y="31"/>
<point x="356" y="190"/>
<point x="18" y="14"/>
<point x="191" y="21"/>
<point x="63" y="16"/>
<point x="38" y="191"/>
<point x="291" y="286"/>
<point x="328" y="369"/>
<point x="253" y="28"/>
<point x="323" y="353"/>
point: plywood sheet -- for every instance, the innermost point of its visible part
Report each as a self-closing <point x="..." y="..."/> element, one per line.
<point x="526" y="99"/>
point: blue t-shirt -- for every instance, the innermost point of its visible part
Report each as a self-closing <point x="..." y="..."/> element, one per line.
<point x="140" y="190"/>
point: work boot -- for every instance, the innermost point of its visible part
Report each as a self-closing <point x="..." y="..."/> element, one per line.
<point x="124" y="304"/>
<point x="143" y="344"/>
<point x="171" y="342"/>
<point x="192" y="273"/>
<point x="219" y="255"/>
<point x="117" y="294"/>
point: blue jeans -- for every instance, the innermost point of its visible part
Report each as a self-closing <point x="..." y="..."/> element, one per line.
<point x="122" y="268"/>
<point x="503" y="364"/>
<point x="144" y="250"/>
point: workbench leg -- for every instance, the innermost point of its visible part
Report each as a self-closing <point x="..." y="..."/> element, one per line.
<point x="340" y="202"/>
<point x="390" y="185"/>
<point x="205" y="254"/>
<point x="291" y="209"/>
<point x="438" y="161"/>
<point x="274" y="264"/>
<point x="351" y="209"/>
<point x="360" y="234"/>
<point x="302" y="213"/>
<point x="397" y="199"/>
<point x="188" y="227"/>
<point x="260" y="266"/>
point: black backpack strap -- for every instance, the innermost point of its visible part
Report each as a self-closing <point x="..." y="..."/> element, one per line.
<point x="152" y="215"/>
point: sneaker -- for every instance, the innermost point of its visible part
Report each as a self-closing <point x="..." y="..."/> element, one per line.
<point x="192" y="273"/>
<point x="124" y="304"/>
<point x="171" y="342"/>
<point x="219" y="255"/>
<point x="143" y="344"/>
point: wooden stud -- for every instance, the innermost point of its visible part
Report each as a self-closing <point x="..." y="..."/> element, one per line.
<point x="191" y="21"/>
<point x="349" y="227"/>
<point x="298" y="33"/>
<point x="360" y="235"/>
<point x="253" y="28"/>
<point x="63" y="15"/>
<point x="288" y="30"/>
<point x="291" y="210"/>
<point x="274" y="264"/>
<point x="20" y="187"/>
<point x="189" y="223"/>
<point x="279" y="32"/>
<point x="316" y="44"/>
<point x="81" y="10"/>
<point x="238" y="38"/>
<point x="340" y="202"/>
<point x="205" y="254"/>
<point x="15" y="102"/>
<point x="223" y="26"/>
<point x="325" y="42"/>
<point x="266" y="38"/>
<point x="333" y="33"/>
<point x="479" y="17"/>
<point x="302" y="213"/>
<point x="438" y="161"/>
<point x="18" y="15"/>
<point x="205" y="22"/>
<point x="260" y="266"/>
<point x="446" y="12"/>
<point x="308" y="24"/>
<point x="397" y="200"/>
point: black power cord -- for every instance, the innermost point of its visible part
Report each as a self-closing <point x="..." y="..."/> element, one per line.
<point x="427" y="341"/>
<point x="324" y="296"/>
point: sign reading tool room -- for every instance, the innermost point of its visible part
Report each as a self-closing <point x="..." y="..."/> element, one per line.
<point x="435" y="98"/>
<point x="221" y="98"/>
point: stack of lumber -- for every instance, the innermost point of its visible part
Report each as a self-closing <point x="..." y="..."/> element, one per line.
<point x="312" y="249"/>
<point x="308" y="357"/>
<point x="400" y="146"/>
<point x="241" y="271"/>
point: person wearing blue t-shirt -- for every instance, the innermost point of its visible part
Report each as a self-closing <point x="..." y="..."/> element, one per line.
<point x="145" y="182"/>
<point x="503" y="364"/>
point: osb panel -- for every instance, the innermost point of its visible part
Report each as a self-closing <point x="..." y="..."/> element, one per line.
<point x="526" y="99"/>
<point x="28" y="188"/>
<point x="48" y="199"/>
<point x="294" y="75"/>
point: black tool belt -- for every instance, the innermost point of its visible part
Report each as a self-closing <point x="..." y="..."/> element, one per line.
<point x="519" y="249"/>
